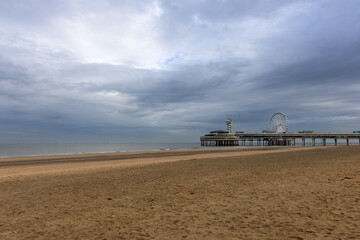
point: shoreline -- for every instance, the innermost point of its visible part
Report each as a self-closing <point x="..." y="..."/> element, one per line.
<point x="105" y="153"/>
<point x="12" y="168"/>
<point x="41" y="150"/>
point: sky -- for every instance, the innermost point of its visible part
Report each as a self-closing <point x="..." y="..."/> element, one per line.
<point x="155" y="71"/>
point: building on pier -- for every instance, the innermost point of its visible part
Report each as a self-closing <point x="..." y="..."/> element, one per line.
<point x="220" y="137"/>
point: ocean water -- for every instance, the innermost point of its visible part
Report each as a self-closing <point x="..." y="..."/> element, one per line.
<point x="17" y="150"/>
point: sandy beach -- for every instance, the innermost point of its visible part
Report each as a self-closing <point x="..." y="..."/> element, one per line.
<point x="257" y="193"/>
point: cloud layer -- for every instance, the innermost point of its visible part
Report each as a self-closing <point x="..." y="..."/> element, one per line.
<point x="73" y="71"/>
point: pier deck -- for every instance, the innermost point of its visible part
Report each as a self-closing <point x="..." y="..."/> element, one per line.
<point x="269" y="139"/>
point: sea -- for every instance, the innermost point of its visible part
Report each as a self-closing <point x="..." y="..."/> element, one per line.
<point x="44" y="149"/>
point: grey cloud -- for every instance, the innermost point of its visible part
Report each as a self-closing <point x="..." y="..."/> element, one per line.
<point x="31" y="14"/>
<point x="219" y="10"/>
<point x="153" y="88"/>
<point x="11" y="72"/>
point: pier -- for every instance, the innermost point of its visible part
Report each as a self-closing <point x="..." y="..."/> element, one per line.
<point x="274" y="139"/>
<point x="290" y="139"/>
<point x="277" y="135"/>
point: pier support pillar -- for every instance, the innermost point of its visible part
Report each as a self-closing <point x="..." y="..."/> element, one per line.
<point x="313" y="141"/>
<point x="347" y="142"/>
<point x="303" y="141"/>
<point x="324" y="142"/>
<point x="335" y="141"/>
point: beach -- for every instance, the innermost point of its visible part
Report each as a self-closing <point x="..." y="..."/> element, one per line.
<point x="243" y="193"/>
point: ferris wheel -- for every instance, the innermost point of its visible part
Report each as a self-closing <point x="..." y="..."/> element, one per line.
<point x="279" y="123"/>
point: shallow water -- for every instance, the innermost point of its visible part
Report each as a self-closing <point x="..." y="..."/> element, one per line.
<point x="16" y="150"/>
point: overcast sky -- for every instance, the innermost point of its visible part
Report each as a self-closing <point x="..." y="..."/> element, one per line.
<point x="132" y="70"/>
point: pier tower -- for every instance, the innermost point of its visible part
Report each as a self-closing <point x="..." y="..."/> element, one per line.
<point x="228" y="124"/>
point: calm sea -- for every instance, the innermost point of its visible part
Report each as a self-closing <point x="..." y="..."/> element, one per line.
<point x="17" y="150"/>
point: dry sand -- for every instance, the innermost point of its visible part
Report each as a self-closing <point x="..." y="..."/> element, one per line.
<point x="272" y="193"/>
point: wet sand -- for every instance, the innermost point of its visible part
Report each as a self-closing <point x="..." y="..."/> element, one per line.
<point x="276" y="193"/>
